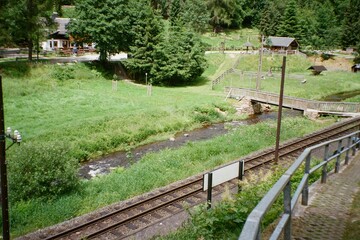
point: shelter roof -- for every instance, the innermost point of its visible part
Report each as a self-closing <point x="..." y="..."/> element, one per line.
<point x="248" y="44"/>
<point x="318" y="68"/>
<point x="281" y="41"/>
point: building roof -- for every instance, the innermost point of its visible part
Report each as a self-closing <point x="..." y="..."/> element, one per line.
<point x="318" y="68"/>
<point x="280" y="41"/>
<point x="61" y="22"/>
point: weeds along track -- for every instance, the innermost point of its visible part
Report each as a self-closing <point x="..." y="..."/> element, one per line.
<point x="133" y="218"/>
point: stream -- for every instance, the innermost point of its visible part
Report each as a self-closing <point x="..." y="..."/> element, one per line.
<point x="106" y="163"/>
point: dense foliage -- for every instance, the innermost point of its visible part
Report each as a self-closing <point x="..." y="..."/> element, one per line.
<point x="114" y="25"/>
<point x="41" y="171"/>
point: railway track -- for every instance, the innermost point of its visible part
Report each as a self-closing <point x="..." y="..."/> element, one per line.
<point x="128" y="220"/>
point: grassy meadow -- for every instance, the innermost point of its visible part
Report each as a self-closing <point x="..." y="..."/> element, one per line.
<point x="233" y="39"/>
<point x="76" y="105"/>
<point x="316" y="87"/>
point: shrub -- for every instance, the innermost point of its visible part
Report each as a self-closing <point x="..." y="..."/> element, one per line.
<point x="41" y="170"/>
<point x="63" y="73"/>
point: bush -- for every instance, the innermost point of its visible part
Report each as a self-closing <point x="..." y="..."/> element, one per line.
<point x="63" y="73"/>
<point x="41" y="170"/>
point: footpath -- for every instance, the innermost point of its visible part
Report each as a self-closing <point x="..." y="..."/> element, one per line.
<point x="329" y="207"/>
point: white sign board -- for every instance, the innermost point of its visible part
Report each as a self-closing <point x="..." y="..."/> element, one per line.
<point x="222" y="175"/>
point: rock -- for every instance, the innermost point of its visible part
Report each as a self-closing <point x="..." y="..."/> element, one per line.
<point x="172" y="139"/>
<point x="186" y="135"/>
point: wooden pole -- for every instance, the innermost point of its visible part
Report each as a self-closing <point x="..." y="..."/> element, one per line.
<point x="260" y="64"/>
<point x="280" y="111"/>
<point x="3" y="173"/>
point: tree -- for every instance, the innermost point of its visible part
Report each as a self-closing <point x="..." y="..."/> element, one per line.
<point x="179" y="58"/>
<point x="25" y="21"/>
<point x="147" y="29"/>
<point x="269" y="21"/>
<point x="224" y="13"/>
<point x="195" y="15"/>
<point x="105" y="23"/>
<point x="289" y="25"/>
<point x="351" y="26"/>
<point x="327" y="26"/>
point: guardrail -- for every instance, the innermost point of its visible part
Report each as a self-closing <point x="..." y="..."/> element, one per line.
<point x="295" y="103"/>
<point x="251" y="229"/>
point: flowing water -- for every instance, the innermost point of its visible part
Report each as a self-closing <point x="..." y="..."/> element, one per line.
<point x="124" y="159"/>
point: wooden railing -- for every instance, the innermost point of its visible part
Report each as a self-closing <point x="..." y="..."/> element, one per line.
<point x="292" y="102"/>
<point x="224" y="74"/>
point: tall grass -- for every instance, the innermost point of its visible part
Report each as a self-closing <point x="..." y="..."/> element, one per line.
<point x="154" y="170"/>
<point x="83" y="110"/>
<point x="75" y="105"/>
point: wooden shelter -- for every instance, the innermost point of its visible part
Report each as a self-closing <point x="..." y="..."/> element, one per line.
<point x="281" y="43"/>
<point x="316" y="70"/>
<point x="356" y="68"/>
<point x="248" y="45"/>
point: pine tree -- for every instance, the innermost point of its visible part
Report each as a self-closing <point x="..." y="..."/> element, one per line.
<point x="147" y="29"/>
<point x="326" y="26"/>
<point x="179" y="58"/>
<point x="351" y="25"/>
<point x="289" y="25"/>
<point x="195" y="15"/>
<point x="269" y="20"/>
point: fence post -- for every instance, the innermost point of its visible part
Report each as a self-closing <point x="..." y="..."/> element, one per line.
<point x="324" y="171"/>
<point x="337" y="164"/>
<point x="209" y="191"/>
<point x="287" y="210"/>
<point x="347" y="150"/>
<point x="305" y="191"/>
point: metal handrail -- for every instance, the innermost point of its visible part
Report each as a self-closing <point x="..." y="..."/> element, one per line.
<point x="251" y="229"/>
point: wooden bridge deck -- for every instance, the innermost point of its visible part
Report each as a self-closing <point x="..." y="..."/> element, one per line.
<point x="337" y="108"/>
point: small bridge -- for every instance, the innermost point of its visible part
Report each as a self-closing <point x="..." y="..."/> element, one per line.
<point x="334" y="108"/>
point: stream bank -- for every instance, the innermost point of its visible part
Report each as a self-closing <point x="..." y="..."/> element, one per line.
<point x="124" y="159"/>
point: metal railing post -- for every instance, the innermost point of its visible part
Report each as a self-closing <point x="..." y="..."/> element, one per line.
<point x="347" y="151"/>
<point x="305" y="191"/>
<point x="209" y="191"/>
<point x="324" y="170"/>
<point x="241" y="173"/>
<point x="337" y="164"/>
<point x="287" y="210"/>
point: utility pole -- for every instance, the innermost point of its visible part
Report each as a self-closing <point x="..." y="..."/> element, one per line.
<point x="280" y="111"/>
<point x="3" y="173"/>
<point x="260" y="64"/>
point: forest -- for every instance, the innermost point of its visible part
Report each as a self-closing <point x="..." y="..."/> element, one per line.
<point x="162" y="36"/>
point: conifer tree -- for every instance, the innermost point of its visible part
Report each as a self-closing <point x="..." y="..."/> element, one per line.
<point x="351" y="25"/>
<point x="289" y="25"/>
<point x="147" y="29"/>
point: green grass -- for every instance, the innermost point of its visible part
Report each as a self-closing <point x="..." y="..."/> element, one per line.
<point x="75" y="104"/>
<point x="233" y="39"/>
<point x="316" y="87"/>
<point x="154" y="170"/>
<point x="87" y="114"/>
